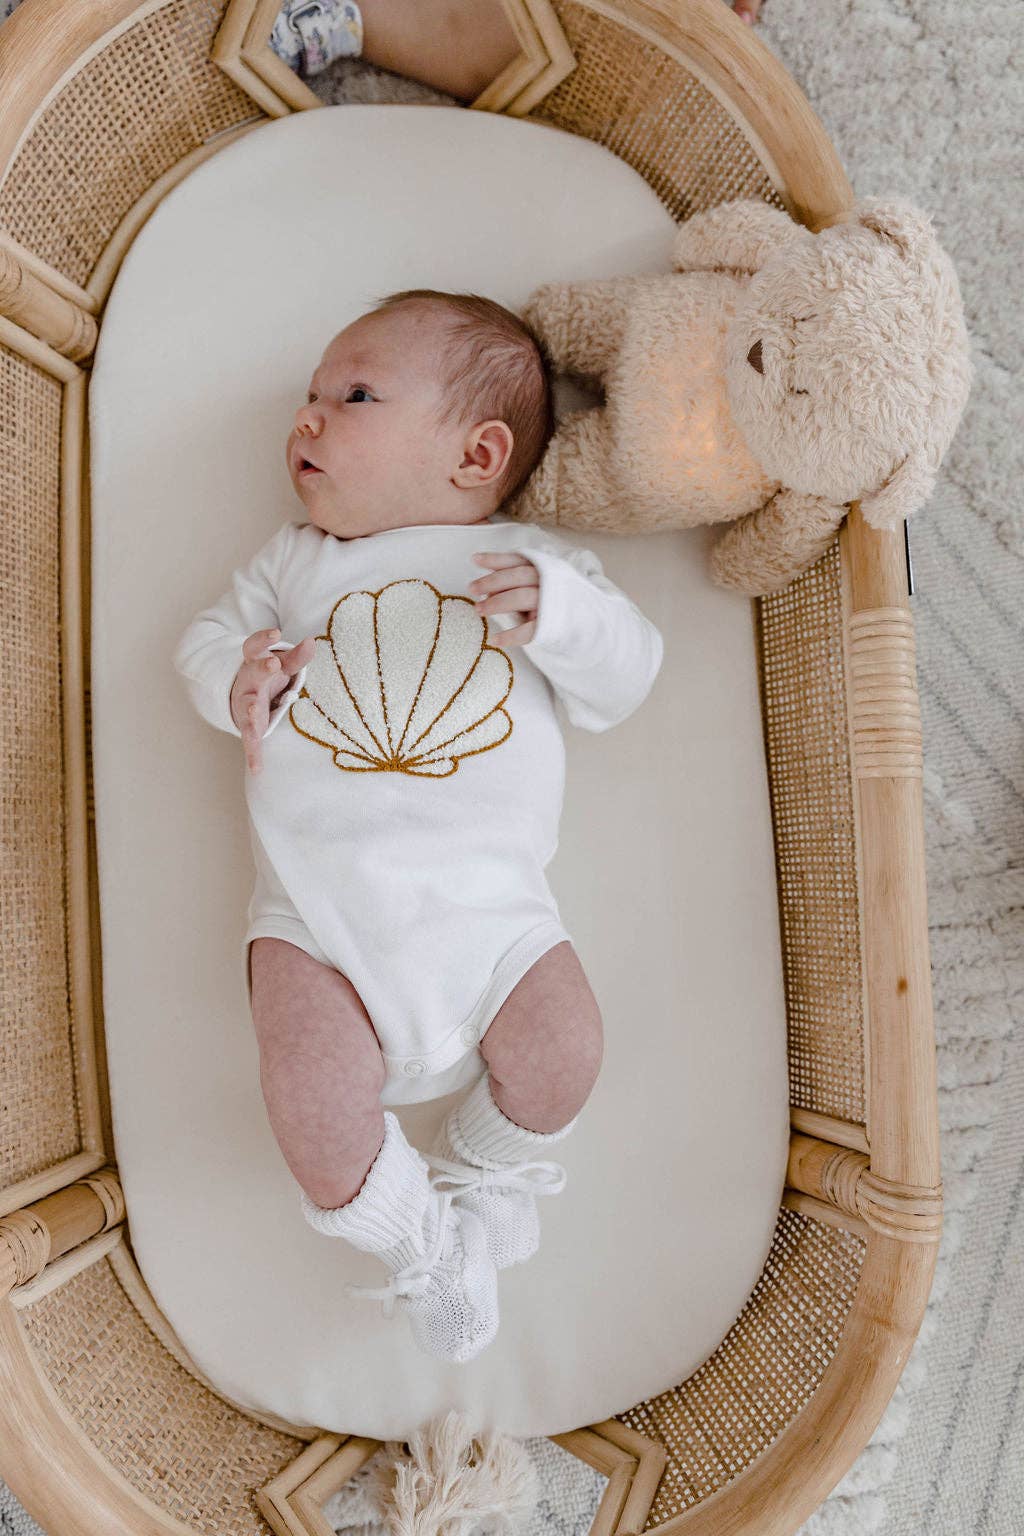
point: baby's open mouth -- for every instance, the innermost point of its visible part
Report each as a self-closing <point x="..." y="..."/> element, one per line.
<point x="306" y="468"/>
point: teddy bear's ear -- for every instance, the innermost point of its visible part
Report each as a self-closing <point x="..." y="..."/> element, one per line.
<point x="906" y="489"/>
<point x="909" y="228"/>
<point x="738" y="236"/>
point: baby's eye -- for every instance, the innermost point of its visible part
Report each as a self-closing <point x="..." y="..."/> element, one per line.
<point x="357" y="389"/>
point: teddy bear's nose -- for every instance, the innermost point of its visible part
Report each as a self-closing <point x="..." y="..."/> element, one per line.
<point x="754" y="357"/>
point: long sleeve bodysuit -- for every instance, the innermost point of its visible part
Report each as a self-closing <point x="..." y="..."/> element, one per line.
<point x="413" y="773"/>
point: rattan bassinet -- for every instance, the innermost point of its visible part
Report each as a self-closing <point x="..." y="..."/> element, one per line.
<point x="104" y="1422"/>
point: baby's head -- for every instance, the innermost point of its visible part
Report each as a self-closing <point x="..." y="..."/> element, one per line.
<point x="431" y="408"/>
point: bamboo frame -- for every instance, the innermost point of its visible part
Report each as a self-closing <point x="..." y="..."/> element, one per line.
<point x="242" y="49"/>
<point x="878" y="1181"/>
<point x="293" y="1502"/>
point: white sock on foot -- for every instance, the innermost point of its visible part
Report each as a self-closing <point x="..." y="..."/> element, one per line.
<point x="483" y="1158"/>
<point x="440" y="1267"/>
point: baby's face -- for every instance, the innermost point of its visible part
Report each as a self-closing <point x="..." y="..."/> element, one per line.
<point x="369" y="427"/>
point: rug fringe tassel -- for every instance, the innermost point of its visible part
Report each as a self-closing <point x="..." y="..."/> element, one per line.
<point x="453" y="1481"/>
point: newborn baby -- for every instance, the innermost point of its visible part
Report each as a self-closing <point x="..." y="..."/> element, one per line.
<point x="405" y="773"/>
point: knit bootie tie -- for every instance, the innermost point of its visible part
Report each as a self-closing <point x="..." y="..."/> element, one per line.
<point x="440" y="1267"/>
<point x="479" y="1157"/>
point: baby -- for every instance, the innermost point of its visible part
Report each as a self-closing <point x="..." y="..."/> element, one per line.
<point x="404" y="785"/>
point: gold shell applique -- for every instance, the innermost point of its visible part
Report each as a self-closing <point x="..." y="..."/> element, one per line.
<point x="405" y="682"/>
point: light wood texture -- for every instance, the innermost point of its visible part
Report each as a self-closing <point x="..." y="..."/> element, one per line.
<point x="844" y="1179"/>
<point x="48" y="275"/>
<point x="28" y="346"/>
<point x="33" y="1236"/>
<point x="280" y="1500"/>
<point x="90" y="1047"/>
<point x="755" y="90"/>
<point x="53" y="318"/>
<point x="902" y="1123"/>
<point x="845" y="1133"/>
<point x="17" y="1196"/>
<point x="292" y="1503"/>
<point x="787" y="1483"/>
<point x="256" y="53"/>
<point x="546" y="59"/>
<point x="227" y="55"/>
<point x="632" y="1463"/>
<point x="59" y="1271"/>
<point x="820" y="1210"/>
<point x="243" y="51"/>
<point x="39" y="44"/>
<point x="53" y="1469"/>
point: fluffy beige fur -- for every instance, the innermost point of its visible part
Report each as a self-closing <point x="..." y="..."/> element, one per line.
<point x="773" y="377"/>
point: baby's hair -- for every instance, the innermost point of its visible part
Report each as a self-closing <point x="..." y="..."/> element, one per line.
<point x="494" y="367"/>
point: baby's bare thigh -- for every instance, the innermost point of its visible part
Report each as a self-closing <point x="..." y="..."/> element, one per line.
<point x="304" y="1007"/>
<point x="550" y="1023"/>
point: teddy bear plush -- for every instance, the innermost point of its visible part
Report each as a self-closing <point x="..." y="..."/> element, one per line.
<point x="773" y="377"/>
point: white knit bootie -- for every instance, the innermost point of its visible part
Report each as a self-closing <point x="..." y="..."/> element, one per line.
<point x="440" y="1267"/>
<point x="479" y="1159"/>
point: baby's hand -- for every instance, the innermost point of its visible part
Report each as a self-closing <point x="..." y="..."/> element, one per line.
<point x="259" y="680"/>
<point x="514" y="587"/>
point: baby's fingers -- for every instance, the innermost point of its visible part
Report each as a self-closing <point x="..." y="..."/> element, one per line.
<point x="254" y="645"/>
<point x="522" y="634"/>
<point x="294" y="660"/>
<point x="256" y="718"/>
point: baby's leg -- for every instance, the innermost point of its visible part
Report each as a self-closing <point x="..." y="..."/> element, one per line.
<point x="545" y="1044"/>
<point x="321" y="1070"/>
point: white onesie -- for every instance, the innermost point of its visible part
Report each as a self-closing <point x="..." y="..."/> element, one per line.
<point x="412" y="773"/>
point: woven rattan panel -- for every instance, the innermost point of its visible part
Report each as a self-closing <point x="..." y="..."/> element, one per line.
<point x="135" y="110"/>
<point x="812" y="807"/>
<point x="631" y="97"/>
<point x="765" y="1370"/>
<point x="179" y="1444"/>
<point x="39" y="1123"/>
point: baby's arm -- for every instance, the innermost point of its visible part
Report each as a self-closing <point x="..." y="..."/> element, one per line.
<point x="209" y="655"/>
<point x="600" y="653"/>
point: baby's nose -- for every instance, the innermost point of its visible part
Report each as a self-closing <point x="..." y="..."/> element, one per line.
<point x="305" y="423"/>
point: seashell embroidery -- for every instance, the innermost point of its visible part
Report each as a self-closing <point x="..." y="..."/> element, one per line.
<point x="404" y="682"/>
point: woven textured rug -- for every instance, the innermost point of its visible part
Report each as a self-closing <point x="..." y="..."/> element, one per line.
<point x="923" y="99"/>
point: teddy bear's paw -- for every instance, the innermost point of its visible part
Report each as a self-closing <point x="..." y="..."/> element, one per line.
<point x="768" y="549"/>
<point x="582" y="326"/>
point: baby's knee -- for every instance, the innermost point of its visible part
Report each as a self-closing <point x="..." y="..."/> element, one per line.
<point x="586" y="1044"/>
<point x="554" y="1069"/>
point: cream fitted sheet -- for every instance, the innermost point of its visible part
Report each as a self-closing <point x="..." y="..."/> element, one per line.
<point x="664" y="871"/>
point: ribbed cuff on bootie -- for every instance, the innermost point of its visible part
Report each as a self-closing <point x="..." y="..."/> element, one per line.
<point x="481" y="1134"/>
<point x="387" y="1216"/>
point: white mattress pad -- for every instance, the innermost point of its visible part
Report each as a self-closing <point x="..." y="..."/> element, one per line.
<point x="664" y="871"/>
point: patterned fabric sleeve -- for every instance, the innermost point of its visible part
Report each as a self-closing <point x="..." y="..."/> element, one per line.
<point x="310" y="34"/>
